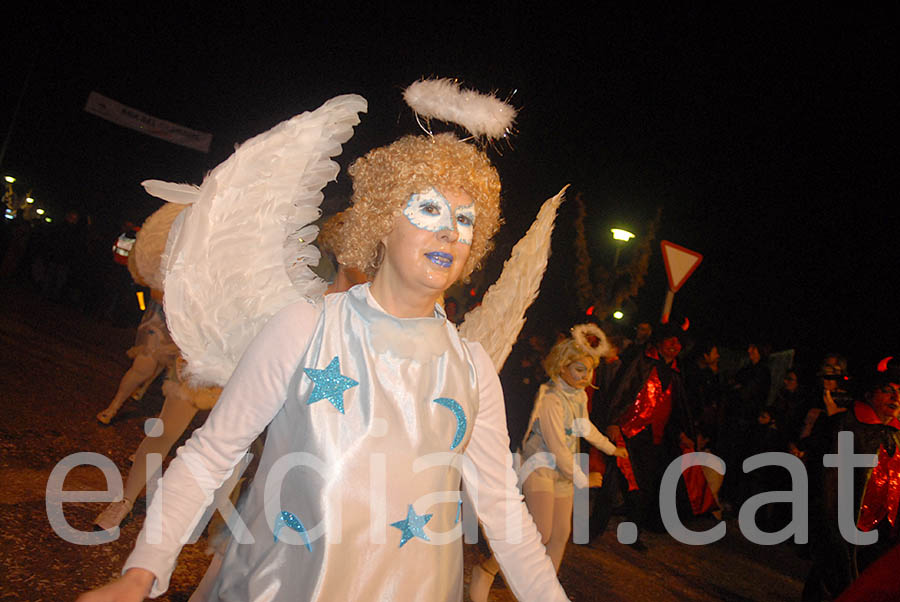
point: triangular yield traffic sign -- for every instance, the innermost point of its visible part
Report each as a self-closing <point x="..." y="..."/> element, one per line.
<point x="680" y="263"/>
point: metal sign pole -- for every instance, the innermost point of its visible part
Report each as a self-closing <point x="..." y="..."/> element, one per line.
<point x="667" y="307"/>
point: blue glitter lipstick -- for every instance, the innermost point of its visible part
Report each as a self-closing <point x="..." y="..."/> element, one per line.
<point x="440" y="259"/>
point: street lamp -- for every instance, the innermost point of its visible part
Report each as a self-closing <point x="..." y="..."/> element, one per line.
<point x="9" y="179"/>
<point x="29" y="200"/>
<point x="39" y="211"/>
<point x="621" y="237"/>
<point x="618" y="315"/>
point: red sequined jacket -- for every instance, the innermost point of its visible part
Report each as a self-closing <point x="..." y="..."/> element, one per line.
<point x="647" y="397"/>
<point x="876" y="491"/>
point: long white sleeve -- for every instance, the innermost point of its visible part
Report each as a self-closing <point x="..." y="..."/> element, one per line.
<point x="498" y="503"/>
<point x="251" y="399"/>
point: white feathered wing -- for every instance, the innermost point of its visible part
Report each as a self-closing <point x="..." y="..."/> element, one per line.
<point x="242" y="250"/>
<point x="496" y="323"/>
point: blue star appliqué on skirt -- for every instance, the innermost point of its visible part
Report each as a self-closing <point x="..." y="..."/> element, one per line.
<point x="330" y="384"/>
<point x="412" y="526"/>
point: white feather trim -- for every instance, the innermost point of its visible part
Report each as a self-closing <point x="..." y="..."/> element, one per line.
<point x="151" y="243"/>
<point x="481" y="114"/>
<point x="242" y="251"/>
<point x="183" y="194"/>
<point x="496" y="323"/>
<point x="581" y="334"/>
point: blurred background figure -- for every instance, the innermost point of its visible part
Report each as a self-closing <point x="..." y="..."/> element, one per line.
<point x="874" y="421"/>
<point x="451" y="308"/>
<point x="832" y="396"/>
<point x="747" y="399"/>
<point x="705" y="392"/>
<point x="789" y="409"/>
<point x="642" y="333"/>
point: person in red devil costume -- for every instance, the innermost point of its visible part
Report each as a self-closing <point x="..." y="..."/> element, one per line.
<point x="875" y="425"/>
<point x="649" y="413"/>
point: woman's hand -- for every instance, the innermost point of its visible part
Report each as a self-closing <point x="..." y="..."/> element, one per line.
<point x="133" y="586"/>
<point x="621" y="452"/>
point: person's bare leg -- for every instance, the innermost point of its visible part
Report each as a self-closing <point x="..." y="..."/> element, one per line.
<point x="562" y="528"/>
<point x="540" y="506"/>
<point x="176" y="415"/>
<point x="143" y="367"/>
<point x="482" y="579"/>
<point x="139" y="393"/>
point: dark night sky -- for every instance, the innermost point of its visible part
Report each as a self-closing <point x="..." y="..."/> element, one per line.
<point x="768" y="137"/>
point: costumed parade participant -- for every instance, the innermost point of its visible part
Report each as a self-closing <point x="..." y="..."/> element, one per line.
<point x="558" y="421"/>
<point x="153" y="349"/>
<point x="182" y="401"/>
<point x="375" y="407"/>
<point x="875" y="425"/>
<point x="649" y="414"/>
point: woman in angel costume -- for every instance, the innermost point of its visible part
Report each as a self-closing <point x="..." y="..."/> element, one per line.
<point x="375" y="407"/>
<point x="559" y="419"/>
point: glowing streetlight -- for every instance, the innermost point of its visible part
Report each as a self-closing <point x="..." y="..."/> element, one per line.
<point x="40" y="211"/>
<point x="9" y="179"/>
<point x="618" y="315"/>
<point x="620" y="234"/>
<point x="621" y="237"/>
<point x="29" y="200"/>
<point x="48" y="220"/>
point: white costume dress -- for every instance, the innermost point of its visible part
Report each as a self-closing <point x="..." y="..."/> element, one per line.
<point x="558" y="421"/>
<point x="373" y="421"/>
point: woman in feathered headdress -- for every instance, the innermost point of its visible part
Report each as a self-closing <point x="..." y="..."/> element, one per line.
<point x="559" y="419"/>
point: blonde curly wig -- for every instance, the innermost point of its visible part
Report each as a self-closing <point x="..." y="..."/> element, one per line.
<point x="564" y="353"/>
<point x="331" y="234"/>
<point x="385" y="178"/>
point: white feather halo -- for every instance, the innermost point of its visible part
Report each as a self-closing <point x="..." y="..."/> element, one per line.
<point x="581" y="333"/>
<point x="481" y="114"/>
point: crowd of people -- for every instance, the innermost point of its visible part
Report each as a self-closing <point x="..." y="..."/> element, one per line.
<point x="660" y="401"/>
<point x="76" y="261"/>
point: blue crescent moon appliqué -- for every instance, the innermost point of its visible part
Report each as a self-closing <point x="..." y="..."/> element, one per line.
<point x="290" y="520"/>
<point x="461" y="422"/>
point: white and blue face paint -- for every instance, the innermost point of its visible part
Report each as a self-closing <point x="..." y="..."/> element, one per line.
<point x="430" y="211"/>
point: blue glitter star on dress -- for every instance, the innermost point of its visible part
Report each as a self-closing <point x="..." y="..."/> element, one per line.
<point x="330" y="384"/>
<point x="461" y="422"/>
<point x="289" y="519"/>
<point x="412" y="526"/>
